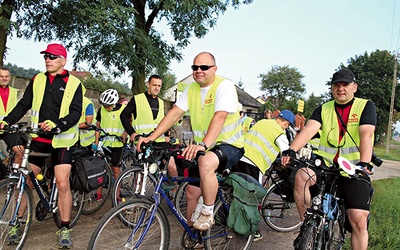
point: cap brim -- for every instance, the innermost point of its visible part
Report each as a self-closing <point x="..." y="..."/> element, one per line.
<point x="342" y="80"/>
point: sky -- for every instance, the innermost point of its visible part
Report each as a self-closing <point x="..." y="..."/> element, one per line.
<point x="313" y="36"/>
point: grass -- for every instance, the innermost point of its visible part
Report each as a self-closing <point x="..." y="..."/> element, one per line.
<point x="394" y="152"/>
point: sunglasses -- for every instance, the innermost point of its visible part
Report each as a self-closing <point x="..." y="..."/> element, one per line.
<point x="51" y="57"/>
<point x="202" y="67"/>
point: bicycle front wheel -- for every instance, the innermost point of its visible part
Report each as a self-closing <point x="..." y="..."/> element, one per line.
<point x="220" y="236"/>
<point x="9" y="192"/>
<point x="131" y="183"/>
<point x="92" y="201"/>
<point x="280" y="214"/>
<point x="309" y="236"/>
<point x="112" y="233"/>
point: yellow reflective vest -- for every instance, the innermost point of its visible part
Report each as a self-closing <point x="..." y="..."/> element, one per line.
<point x="259" y="143"/>
<point x="329" y="143"/>
<point x="67" y="138"/>
<point x="200" y="117"/>
<point x="111" y="123"/>
<point x="144" y="122"/>
<point x="11" y="103"/>
<point x="246" y="124"/>
<point x="86" y="137"/>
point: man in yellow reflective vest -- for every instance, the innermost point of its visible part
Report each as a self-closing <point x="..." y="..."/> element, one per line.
<point x="347" y="127"/>
<point x="55" y="100"/>
<point x="262" y="144"/>
<point x="108" y="119"/>
<point x="213" y="104"/>
<point x="8" y="100"/>
<point x="86" y="137"/>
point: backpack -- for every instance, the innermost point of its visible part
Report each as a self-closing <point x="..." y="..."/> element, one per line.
<point x="243" y="214"/>
<point x="89" y="173"/>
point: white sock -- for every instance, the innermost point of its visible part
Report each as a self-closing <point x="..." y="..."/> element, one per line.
<point x="208" y="209"/>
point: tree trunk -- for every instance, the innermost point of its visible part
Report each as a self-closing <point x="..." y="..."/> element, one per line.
<point x="7" y="8"/>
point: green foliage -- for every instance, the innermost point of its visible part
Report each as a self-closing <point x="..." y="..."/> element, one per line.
<point x="313" y="102"/>
<point x="120" y="35"/>
<point x="283" y="83"/>
<point x="102" y="82"/>
<point x="384" y="227"/>
<point x="374" y="74"/>
<point x="19" y="71"/>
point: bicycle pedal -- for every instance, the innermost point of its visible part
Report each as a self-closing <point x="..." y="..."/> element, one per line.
<point x="40" y="212"/>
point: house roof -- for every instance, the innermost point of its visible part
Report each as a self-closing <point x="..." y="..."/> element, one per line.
<point x="244" y="98"/>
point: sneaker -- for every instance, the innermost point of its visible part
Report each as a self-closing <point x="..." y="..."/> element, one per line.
<point x="257" y="236"/>
<point x="204" y="222"/>
<point x="98" y="196"/>
<point x="14" y="235"/>
<point x="65" y="240"/>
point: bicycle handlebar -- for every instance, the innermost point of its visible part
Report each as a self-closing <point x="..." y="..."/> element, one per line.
<point x="20" y="127"/>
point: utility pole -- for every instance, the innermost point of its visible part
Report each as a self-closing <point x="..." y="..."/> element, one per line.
<point x="389" y="131"/>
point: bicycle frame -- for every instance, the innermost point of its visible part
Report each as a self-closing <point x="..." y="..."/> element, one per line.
<point x="159" y="194"/>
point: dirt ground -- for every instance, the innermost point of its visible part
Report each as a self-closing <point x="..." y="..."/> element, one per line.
<point x="42" y="235"/>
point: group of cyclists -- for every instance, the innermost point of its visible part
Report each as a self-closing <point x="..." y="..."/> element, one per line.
<point x="57" y="100"/>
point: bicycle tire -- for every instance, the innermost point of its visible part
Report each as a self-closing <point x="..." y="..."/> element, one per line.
<point x="127" y="183"/>
<point x="9" y="192"/>
<point x="278" y="213"/>
<point x="76" y="209"/>
<point x="220" y="236"/>
<point x="112" y="233"/>
<point x="91" y="204"/>
<point x="180" y="201"/>
<point x="309" y="236"/>
<point x="128" y="160"/>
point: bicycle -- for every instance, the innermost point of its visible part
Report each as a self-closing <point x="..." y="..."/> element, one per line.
<point x="14" y="189"/>
<point x="277" y="208"/>
<point x="323" y="226"/>
<point x="139" y="180"/>
<point x="143" y="223"/>
<point x="91" y="204"/>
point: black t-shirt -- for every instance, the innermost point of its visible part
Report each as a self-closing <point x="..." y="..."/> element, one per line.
<point x="368" y="116"/>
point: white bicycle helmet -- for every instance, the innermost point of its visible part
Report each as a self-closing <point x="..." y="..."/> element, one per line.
<point x="109" y="97"/>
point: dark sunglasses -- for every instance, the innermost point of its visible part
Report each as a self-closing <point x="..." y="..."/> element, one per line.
<point x="331" y="137"/>
<point x="51" y="57"/>
<point x="202" y="67"/>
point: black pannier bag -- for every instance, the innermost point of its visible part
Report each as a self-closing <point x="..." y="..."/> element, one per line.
<point x="89" y="173"/>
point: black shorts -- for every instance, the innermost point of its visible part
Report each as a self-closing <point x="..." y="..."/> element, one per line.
<point x="115" y="154"/>
<point x="58" y="155"/>
<point x="246" y="168"/>
<point x="356" y="193"/>
<point x="228" y="156"/>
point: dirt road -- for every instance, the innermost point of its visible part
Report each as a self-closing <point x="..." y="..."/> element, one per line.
<point x="43" y="237"/>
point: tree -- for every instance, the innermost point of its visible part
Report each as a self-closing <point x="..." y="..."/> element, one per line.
<point x="120" y="35"/>
<point x="283" y="83"/>
<point x="374" y="75"/>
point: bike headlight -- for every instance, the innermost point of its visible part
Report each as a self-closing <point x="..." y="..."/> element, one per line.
<point x="153" y="168"/>
<point x="316" y="202"/>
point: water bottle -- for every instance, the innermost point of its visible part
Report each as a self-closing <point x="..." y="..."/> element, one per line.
<point x="2" y="156"/>
<point x="199" y="207"/>
<point x="42" y="182"/>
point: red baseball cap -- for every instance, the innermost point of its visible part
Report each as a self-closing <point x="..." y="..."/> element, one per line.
<point x="55" y="49"/>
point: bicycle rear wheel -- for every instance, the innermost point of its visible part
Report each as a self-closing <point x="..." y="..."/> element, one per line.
<point x="76" y="210"/>
<point x="220" y="236"/>
<point x="129" y="184"/>
<point x="279" y="213"/>
<point x="9" y="192"/>
<point x="92" y="202"/>
<point x="112" y="233"/>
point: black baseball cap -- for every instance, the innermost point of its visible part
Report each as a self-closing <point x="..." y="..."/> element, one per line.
<point x="343" y="75"/>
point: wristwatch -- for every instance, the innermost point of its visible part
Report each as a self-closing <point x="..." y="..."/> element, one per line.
<point x="203" y="144"/>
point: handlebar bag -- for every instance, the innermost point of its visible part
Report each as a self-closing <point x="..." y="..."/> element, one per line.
<point x="89" y="173"/>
